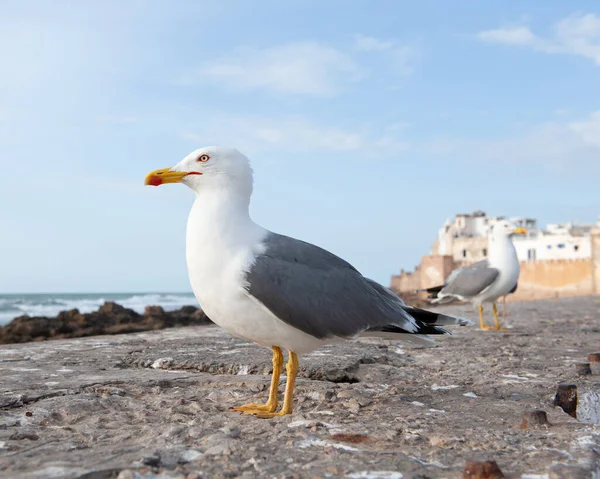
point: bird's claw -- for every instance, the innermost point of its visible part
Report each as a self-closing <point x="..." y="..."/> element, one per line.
<point x="265" y="414"/>
<point x="252" y="408"/>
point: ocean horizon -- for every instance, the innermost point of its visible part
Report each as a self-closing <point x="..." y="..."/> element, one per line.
<point x="50" y="304"/>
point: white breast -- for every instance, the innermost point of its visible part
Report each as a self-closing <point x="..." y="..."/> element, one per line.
<point x="503" y="256"/>
<point x="218" y="254"/>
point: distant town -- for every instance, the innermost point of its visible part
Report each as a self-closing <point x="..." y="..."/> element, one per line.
<point x="558" y="260"/>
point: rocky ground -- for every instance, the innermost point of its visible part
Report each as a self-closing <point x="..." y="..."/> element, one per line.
<point x="155" y="404"/>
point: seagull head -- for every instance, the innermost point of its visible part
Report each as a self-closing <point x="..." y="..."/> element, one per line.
<point x="505" y="228"/>
<point x="213" y="167"/>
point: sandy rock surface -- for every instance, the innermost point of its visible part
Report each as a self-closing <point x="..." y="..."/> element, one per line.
<point x="155" y="404"/>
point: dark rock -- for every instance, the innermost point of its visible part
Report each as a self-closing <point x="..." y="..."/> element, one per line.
<point x="566" y="398"/>
<point x="111" y="318"/>
<point x="534" y="418"/>
<point x="154" y="311"/>
<point x="482" y="470"/>
<point x="583" y="369"/>
<point x="111" y="307"/>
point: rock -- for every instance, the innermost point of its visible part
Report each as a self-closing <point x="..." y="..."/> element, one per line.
<point x="150" y="311"/>
<point x="583" y="369"/>
<point x="566" y="399"/>
<point x="482" y="470"/>
<point x="111" y="308"/>
<point x="152" y="461"/>
<point x="588" y="407"/>
<point x="594" y="357"/>
<point x="111" y="318"/>
<point x="534" y="418"/>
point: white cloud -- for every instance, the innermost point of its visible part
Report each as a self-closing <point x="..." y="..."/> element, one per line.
<point x="298" y="134"/>
<point x="393" y="58"/>
<point x="371" y="44"/>
<point x="298" y="68"/>
<point x="575" y="35"/>
<point x="558" y="146"/>
<point x="306" y="68"/>
<point x="510" y="36"/>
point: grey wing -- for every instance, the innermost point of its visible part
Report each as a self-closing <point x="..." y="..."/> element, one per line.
<point x="470" y="280"/>
<point x="319" y="293"/>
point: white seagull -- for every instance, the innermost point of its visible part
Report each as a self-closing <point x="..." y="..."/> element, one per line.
<point x="486" y="280"/>
<point x="271" y="289"/>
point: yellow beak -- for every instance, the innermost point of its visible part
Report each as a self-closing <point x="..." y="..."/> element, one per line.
<point x="520" y="231"/>
<point x="165" y="175"/>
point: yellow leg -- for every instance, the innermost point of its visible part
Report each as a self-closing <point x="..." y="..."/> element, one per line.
<point x="496" y="320"/>
<point x="504" y="311"/>
<point x="481" y="323"/>
<point x="272" y="403"/>
<point x="292" y="371"/>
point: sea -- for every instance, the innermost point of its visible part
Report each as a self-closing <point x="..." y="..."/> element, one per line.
<point x="13" y="305"/>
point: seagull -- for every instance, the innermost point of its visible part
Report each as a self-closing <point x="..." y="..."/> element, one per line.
<point x="274" y="290"/>
<point x="487" y="280"/>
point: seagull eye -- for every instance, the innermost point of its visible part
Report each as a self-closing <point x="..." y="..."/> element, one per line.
<point x="203" y="158"/>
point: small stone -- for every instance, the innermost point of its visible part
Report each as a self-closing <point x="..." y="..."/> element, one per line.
<point x="28" y="414"/>
<point x="594" y="357"/>
<point x="566" y="399"/>
<point x="19" y="436"/>
<point x="218" y="450"/>
<point x="152" y="461"/>
<point x="583" y="369"/>
<point x="534" y="418"/>
<point x="482" y="470"/>
<point x="189" y="455"/>
<point x="352" y="405"/>
<point x="125" y="474"/>
<point x="162" y="363"/>
<point x="231" y="431"/>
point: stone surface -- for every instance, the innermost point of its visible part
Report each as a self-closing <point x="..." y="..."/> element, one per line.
<point x="156" y="404"/>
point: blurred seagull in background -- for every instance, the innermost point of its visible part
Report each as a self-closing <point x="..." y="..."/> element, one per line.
<point x="486" y="280"/>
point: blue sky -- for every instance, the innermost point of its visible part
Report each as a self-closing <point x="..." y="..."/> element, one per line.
<point x="368" y="124"/>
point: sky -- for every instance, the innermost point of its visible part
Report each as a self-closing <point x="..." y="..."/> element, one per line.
<point x="368" y="124"/>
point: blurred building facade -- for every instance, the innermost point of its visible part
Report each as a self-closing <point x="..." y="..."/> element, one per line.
<point x="558" y="260"/>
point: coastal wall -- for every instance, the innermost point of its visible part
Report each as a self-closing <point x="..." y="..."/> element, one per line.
<point x="538" y="279"/>
<point x="554" y="279"/>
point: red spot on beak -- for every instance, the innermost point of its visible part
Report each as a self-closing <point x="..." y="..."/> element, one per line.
<point x="155" y="181"/>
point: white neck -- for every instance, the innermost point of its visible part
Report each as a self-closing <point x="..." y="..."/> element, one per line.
<point x="501" y="250"/>
<point x="219" y="219"/>
<point x="221" y="242"/>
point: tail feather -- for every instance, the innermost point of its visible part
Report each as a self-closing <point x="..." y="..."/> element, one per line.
<point x="445" y="299"/>
<point x="432" y="291"/>
<point x="420" y="321"/>
<point x="431" y="317"/>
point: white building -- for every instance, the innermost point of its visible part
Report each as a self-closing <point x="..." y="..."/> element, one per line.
<point x="465" y="239"/>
